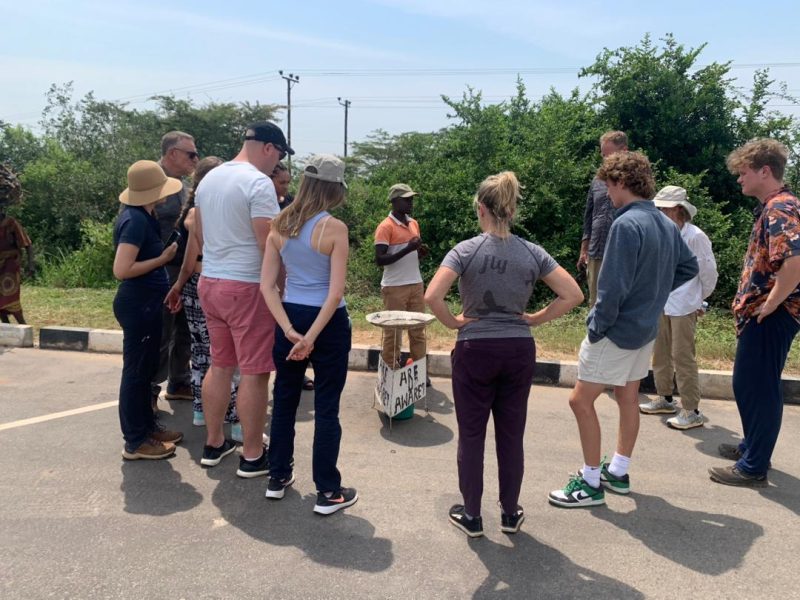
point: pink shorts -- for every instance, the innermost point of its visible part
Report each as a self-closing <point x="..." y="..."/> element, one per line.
<point x="240" y="327"/>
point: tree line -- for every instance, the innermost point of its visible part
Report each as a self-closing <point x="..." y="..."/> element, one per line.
<point x="684" y="116"/>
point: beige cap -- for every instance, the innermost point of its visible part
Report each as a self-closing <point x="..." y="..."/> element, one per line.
<point x="147" y="183"/>
<point x="671" y="196"/>
<point x="401" y="190"/>
<point x="325" y="167"/>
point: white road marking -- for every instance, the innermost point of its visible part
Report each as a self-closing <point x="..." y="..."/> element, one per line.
<point x="57" y="415"/>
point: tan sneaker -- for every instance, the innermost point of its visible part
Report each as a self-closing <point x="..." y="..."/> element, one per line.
<point x="167" y="436"/>
<point x="151" y="450"/>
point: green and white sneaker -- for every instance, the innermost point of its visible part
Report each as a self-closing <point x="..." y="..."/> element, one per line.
<point x="618" y="485"/>
<point x="577" y="494"/>
<point x="658" y="406"/>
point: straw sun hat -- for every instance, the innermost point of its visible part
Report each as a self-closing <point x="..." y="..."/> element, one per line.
<point x="147" y="183"/>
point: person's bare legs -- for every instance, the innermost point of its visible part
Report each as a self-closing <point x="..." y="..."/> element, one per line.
<point x="251" y="403"/>
<point x="627" y="398"/>
<point x="581" y="401"/>
<point x="216" y="397"/>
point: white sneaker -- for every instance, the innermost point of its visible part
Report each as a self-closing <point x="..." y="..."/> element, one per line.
<point x="658" y="406"/>
<point x="686" y="419"/>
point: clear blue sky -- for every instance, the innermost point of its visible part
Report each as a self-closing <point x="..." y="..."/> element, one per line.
<point x="130" y="49"/>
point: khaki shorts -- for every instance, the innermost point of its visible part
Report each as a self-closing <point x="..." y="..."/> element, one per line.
<point x="605" y="362"/>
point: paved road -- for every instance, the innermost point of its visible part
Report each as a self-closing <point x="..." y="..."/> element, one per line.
<point x="76" y="521"/>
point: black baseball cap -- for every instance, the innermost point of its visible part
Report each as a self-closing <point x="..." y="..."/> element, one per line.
<point x="269" y="133"/>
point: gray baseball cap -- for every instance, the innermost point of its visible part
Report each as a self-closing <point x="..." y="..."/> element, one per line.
<point x="325" y="167"/>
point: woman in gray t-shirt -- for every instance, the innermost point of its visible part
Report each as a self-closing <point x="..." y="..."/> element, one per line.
<point x="495" y="354"/>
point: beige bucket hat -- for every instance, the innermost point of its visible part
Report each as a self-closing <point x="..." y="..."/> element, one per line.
<point x="147" y="183"/>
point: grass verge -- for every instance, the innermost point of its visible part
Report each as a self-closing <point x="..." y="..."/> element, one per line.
<point x="80" y="307"/>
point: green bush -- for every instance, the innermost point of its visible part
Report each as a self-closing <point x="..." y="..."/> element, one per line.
<point x="90" y="266"/>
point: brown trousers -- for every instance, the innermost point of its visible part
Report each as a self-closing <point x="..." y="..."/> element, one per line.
<point x="674" y="353"/>
<point x="403" y="297"/>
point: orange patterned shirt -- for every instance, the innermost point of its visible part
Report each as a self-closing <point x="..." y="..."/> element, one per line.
<point x="775" y="237"/>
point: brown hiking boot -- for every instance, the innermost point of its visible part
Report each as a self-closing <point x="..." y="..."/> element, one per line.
<point x="179" y="392"/>
<point x="151" y="450"/>
<point x="167" y="436"/>
<point x="735" y="476"/>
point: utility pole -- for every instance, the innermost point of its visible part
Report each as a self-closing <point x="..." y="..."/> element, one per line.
<point x="291" y="79"/>
<point x="346" y="105"/>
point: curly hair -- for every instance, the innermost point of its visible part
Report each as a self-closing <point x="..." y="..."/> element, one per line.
<point x="758" y="153"/>
<point x="631" y="170"/>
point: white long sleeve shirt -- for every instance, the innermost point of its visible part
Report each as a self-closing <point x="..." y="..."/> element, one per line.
<point x="689" y="297"/>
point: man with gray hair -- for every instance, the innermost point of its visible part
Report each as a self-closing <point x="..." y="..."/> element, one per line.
<point x="178" y="159"/>
<point x="674" y="351"/>
<point x="597" y="216"/>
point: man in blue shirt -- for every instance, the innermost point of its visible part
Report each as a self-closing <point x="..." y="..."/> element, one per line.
<point x="645" y="259"/>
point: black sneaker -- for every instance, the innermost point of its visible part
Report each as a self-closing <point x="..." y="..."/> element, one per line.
<point x="253" y="468"/>
<point x="212" y="456"/>
<point x="472" y="527"/>
<point x="276" y="487"/>
<point x="512" y="523"/>
<point x="342" y="499"/>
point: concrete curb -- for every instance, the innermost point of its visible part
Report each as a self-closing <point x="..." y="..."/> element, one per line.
<point x="17" y="336"/>
<point x="713" y="384"/>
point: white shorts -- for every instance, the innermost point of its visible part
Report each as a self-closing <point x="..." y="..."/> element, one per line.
<point x="605" y="362"/>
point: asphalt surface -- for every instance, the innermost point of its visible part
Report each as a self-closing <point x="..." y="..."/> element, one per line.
<point x="76" y="521"/>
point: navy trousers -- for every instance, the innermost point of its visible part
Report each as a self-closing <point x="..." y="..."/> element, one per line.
<point x="138" y="311"/>
<point x="329" y="360"/>
<point x="761" y="354"/>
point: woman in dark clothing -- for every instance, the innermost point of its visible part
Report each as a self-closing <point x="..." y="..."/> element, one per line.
<point x="495" y="354"/>
<point x="139" y="263"/>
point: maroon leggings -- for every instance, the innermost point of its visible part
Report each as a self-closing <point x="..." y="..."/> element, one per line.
<point x="492" y="375"/>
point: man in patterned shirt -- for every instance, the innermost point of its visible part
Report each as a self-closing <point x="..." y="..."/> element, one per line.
<point x="766" y="309"/>
<point x="597" y="216"/>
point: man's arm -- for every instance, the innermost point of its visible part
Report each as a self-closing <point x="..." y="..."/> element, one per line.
<point x="588" y="213"/>
<point x="383" y="258"/>
<point x="687" y="266"/>
<point x="786" y="281"/>
<point x="261" y="227"/>
<point x="706" y="263"/>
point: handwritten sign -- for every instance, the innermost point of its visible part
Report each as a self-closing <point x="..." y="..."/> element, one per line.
<point x="400" y="388"/>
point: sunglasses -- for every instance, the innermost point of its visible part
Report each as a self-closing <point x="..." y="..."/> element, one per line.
<point x="280" y="149"/>
<point x="189" y="153"/>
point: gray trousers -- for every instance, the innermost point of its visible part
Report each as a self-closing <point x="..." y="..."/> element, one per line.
<point x="176" y="346"/>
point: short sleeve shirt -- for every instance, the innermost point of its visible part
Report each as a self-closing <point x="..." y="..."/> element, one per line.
<point x="137" y="227"/>
<point x="775" y="237"/>
<point x="229" y="198"/>
<point x="396" y="235"/>
<point x="496" y="282"/>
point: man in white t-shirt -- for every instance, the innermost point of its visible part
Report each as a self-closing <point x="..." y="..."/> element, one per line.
<point x="235" y="204"/>
<point x="398" y="248"/>
<point x="674" y="350"/>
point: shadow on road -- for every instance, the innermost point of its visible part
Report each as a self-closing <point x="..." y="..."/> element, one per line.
<point x="341" y="540"/>
<point x="531" y="569"/>
<point x="708" y="543"/>
<point x="422" y="430"/>
<point x="154" y="487"/>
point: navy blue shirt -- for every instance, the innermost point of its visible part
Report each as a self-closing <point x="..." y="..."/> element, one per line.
<point x="135" y="226"/>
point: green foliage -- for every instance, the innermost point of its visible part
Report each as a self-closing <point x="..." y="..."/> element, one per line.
<point x="76" y="170"/>
<point x="87" y="267"/>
